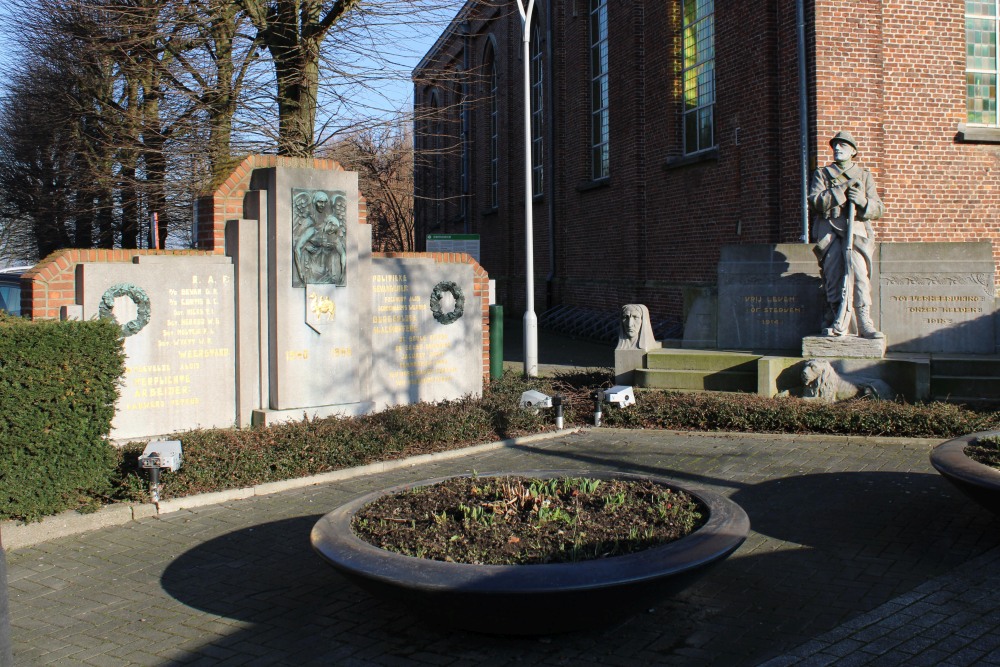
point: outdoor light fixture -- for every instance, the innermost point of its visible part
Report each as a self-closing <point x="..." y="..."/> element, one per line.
<point x="534" y="400"/>
<point x="160" y="455"/>
<point x="620" y="395"/>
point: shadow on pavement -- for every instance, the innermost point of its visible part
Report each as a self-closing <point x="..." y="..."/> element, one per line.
<point x="824" y="547"/>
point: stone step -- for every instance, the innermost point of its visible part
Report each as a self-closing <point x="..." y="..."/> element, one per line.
<point x="701" y="360"/>
<point x="965" y="367"/>
<point x="697" y="380"/>
<point x="975" y="387"/>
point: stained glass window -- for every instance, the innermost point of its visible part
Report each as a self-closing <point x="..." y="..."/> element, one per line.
<point x="698" y="28"/>
<point x="981" y="61"/>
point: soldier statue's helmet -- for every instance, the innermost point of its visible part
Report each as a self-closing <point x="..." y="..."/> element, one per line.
<point x="845" y="137"/>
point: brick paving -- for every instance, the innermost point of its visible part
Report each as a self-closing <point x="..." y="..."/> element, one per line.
<point x="859" y="554"/>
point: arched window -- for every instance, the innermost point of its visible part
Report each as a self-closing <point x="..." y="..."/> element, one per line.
<point x="699" y="74"/>
<point x="599" y="98"/>
<point x="493" y="94"/>
<point x="464" y="128"/>
<point x="537" y="108"/>
<point x="436" y="145"/>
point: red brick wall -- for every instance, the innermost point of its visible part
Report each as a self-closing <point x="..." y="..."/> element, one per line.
<point x="651" y="231"/>
<point x="226" y="203"/>
<point x="51" y="283"/>
<point x="913" y="51"/>
<point x="890" y="71"/>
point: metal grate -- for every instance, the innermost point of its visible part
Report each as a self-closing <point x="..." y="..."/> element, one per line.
<point x="598" y="325"/>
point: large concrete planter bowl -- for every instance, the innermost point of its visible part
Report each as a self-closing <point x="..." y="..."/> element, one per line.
<point x="532" y="599"/>
<point x="978" y="481"/>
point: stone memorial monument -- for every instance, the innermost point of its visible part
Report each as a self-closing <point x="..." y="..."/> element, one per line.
<point x="298" y="318"/>
<point x="844" y="201"/>
<point x="349" y="332"/>
<point x="177" y="322"/>
<point x="318" y="287"/>
<point x="938" y="297"/>
<point x="769" y="296"/>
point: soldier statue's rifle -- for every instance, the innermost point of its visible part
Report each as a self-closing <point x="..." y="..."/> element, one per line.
<point x="842" y="323"/>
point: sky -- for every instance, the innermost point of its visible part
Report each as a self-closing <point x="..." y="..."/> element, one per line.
<point x="402" y="41"/>
<point x="405" y="43"/>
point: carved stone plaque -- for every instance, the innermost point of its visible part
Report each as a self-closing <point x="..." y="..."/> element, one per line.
<point x="937" y="297"/>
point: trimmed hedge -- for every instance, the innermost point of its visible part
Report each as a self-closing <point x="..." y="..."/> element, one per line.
<point x="752" y="413"/>
<point x="58" y="387"/>
<point x="218" y="459"/>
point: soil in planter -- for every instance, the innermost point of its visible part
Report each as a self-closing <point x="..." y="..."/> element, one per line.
<point x="518" y="520"/>
<point x="985" y="450"/>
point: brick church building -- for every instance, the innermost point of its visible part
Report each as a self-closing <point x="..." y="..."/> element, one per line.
<point x="662" y="132"/>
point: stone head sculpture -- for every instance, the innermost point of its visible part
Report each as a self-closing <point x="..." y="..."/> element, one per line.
<point x="635" y="331"/>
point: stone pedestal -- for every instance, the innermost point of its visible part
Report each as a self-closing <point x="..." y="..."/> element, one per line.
<point x="626" y="362"/>
<point x="769" y="296"/>
<point x="842" y="347"/>
<point x="937" y="297"/>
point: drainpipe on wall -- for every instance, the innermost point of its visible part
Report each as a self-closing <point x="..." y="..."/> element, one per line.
<point x="551" y="160"/>
<point x="800" y="19"/>
<point x="465" y="122"/>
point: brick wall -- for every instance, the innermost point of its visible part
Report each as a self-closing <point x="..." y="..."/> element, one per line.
<point x="653" y="229"/>
<point x="890" y="71"/>
<point x="51" y="283"/>
<point x="226" y="203"/>
<point x="913" y="54"/>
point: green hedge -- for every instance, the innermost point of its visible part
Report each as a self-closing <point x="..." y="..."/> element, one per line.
<point x="217" y="459"/>
<point x="752" y="413"/>
<point x="58" y="387"/>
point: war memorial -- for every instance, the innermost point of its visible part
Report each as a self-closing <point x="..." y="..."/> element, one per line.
<point x="291" y="316"/>
<point x="869" y="315"/>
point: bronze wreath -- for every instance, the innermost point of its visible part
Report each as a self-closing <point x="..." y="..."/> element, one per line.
<point x="139" y="297"/>
<point x="438" y="292"/>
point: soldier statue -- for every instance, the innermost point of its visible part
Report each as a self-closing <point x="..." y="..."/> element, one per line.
<point x="844" y="201"/>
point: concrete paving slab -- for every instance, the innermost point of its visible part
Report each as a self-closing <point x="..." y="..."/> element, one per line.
<point x="854" y="541"/>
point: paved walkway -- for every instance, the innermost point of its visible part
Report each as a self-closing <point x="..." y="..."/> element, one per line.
<point x="860" y="554"/>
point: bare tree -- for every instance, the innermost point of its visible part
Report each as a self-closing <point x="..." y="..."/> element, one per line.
<point x="142" y="104"/>
<point x="383" y="158"/>
<point x="293" y="32"/>
<point x="149" y="86"/>
<point x="45" y="155"/>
